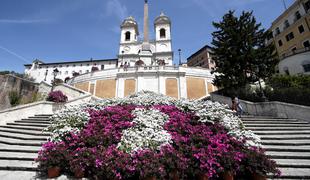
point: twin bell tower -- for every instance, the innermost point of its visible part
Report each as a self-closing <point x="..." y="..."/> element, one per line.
<point x="134" y="51"/>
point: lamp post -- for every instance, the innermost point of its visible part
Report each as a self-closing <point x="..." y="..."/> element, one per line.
<point x="55" y="72"/>
<point x="179" y="56"/>
<point x="46" y="72"/>
<point x="123" y="57"/>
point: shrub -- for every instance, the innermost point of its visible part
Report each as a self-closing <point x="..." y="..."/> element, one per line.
<point x="57" y="96"/>
<point x="15" y="98"/>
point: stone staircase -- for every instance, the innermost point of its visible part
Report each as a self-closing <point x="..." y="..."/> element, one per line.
<point x="287" y="141"/>
<point x="20" y="142"/>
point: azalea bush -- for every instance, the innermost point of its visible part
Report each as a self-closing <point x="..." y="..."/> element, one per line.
<point x="57" y="96"/>
<point x="150" y="135"/>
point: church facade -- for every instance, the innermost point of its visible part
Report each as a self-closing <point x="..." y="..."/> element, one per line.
<point x="136" y="52"/>
<point x="143" y="65"/>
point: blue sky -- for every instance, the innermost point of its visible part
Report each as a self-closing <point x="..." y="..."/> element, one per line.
<point x="64" y="30"/>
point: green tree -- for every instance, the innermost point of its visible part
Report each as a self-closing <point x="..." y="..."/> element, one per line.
<point x="241" y="54"/>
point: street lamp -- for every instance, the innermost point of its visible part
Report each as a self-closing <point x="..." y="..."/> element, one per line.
<point x="179" y="56"/>
<point x="55" y="72"/>
<point x="123" y="57"/>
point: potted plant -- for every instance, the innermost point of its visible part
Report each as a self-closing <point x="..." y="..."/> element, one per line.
<point x="57" y="96"/>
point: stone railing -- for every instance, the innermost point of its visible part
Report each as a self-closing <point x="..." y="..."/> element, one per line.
<point x="45" y="107"/>
<point x="272" y="108"/>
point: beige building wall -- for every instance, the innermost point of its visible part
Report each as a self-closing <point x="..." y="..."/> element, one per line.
<point x="196" y="88"/>
<point x="82" y="86"/>
<point x="298" y="40"/>
<point x="92" y="89"/>
<point x="172" y="89"/>
<point x="130" y="87"/>
<point x="106" y="88"/>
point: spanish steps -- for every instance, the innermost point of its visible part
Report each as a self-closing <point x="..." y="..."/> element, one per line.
<point x="287" y="141"/>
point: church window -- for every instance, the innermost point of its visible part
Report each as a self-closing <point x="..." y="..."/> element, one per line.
<point x="162" y="33"/>
<point x="127" y="36"/>
<point x="102" y="67"/>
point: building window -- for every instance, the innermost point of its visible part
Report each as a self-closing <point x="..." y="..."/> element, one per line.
<point x="277" y="31"/>
<point x="81" y="65"/>
<point x="87" y="71"/>
<point x="60" y="65"/>
<point x="286" y="71"/>
<point x="286" y="24"/>
<point x="297" y="15"/>
<point x="127" y="36"/>
<point x="162" y="33"/>
<point x="307" y="6"/>
<point x="301" y="29"/>
<point x="67" y="65"/>
<point x="80" y="71"/>
<point x="306" y="44"/>
<point x="74" y="65"/>
<point x="280" y="43"/>
<point x="87" y="64"/>
<point x="66" y="73"/>
<point x="306" y="66"/>
<point x="290" y="36"/>
<point x="294" y="49"/>
<point x="102" y="67"/>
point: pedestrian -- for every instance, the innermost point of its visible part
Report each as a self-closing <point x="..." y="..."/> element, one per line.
<point x="233" y="104"/>
<point x="238" y="107"/>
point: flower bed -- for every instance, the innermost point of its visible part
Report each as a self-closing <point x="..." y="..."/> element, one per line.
<point x="149" y="135"/>
<point x="57" y="96"/>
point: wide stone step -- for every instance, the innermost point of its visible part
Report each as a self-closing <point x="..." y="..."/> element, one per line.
<point x="267" y="119"/>
<point x="285" y="137"/>
<point x="17" y="148"/>
<point x="296" y="163"/>
<point x="283" y="148"/>
<point x="287" y="132"/>
<point x="27" y="125"/>
<point x="22" y="128"/>
<point x="25" y="132"/>
<point x="274" y="122"/>
<point x="10" y="136"/>
<point x="17" y="165"/>
<point x="9" y="141"/>
<point x="33" y="122"/>
<point x="276" y="125"/>
<point x="37" y="119"/>
<point x="295" y="173"/>
<point x="278" y="128"/>
<point x="18" y="156"/>
<point x="287" y="142"/>
<point x="288" y="155"/>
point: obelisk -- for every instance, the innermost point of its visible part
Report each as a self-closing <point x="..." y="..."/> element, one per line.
<point x="146" y="54"/>
<point x="146" y="22"/>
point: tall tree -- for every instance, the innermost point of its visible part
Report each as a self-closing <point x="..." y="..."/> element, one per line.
<point x="241" y="54"/>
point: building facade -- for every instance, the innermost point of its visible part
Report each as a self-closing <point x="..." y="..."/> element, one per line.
<point x="135" y="51"/>
<point x="202" y="58"/>
<point x="141" y="65"/>
<point x="291" y="36"/>
<point x="41" y="71"/>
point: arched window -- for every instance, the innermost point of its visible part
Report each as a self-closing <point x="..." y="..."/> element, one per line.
<point x="162" y="33"/>
<point x="306" y="65"/>
<point x="127" y="36"/>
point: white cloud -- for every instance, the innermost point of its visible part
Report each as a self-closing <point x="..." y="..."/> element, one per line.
<point x="115" y="8"/>
<point x="23" y="21"/>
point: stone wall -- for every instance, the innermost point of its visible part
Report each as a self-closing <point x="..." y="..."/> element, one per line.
<point x="272" y="108"/>
<point x="8" y="83"/>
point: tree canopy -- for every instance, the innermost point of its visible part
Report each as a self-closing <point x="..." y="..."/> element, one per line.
<point x="241" y="53"/>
